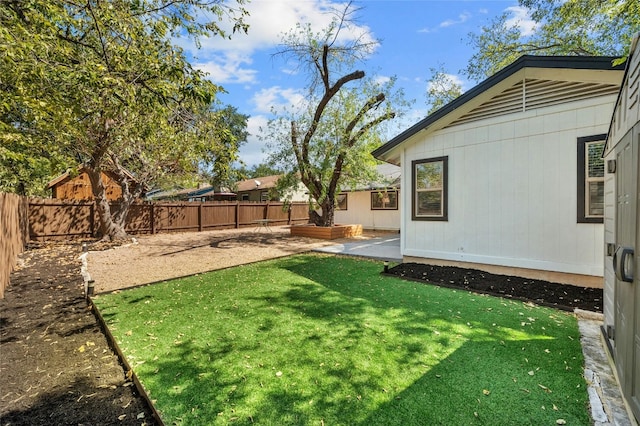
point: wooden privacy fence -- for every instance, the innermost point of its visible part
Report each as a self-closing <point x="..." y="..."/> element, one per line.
<point x="52" y="219"/>
<point x="14" y="232"/>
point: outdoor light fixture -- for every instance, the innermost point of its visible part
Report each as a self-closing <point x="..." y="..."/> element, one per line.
<point x="90" y="287"/>
<point x="386" y="266"/>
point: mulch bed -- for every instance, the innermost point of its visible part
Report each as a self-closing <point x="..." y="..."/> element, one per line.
<point x="56" y="367"/>
<point x="560" y="296"/>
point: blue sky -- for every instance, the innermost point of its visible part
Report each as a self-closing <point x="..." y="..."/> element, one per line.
<point x="416" y="35"/>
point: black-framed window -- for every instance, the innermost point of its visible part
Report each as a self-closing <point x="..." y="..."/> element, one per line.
<point x="429" y="188"/>
<point x="384" y="200"/>
<point x="341" y="201"/>
<point x="591" y="179"/>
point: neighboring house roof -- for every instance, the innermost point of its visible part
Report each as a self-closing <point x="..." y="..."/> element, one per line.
<point x="529" y="82"/>
<point x="222" y="192"/>
<point x="389" y="178"/>
<point x="264" y="182"/>
<point x="169" y="194"/>
<point x="188" y="193"/>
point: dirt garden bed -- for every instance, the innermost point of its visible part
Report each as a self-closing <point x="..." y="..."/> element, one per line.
<point x="55" y="363"/>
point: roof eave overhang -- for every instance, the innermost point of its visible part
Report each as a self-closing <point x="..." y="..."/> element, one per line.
<point x="390" y="151"/>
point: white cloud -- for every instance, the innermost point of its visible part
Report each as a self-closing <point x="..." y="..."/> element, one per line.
<point x="462" y="18"/>
<point x="278" y="99"/>
<point x="230" y="60"/>
<point x="520" y="18"/>
<point x="382" y="79"/>
<point x="228" y="67"/>
<point x="454" y="79"/>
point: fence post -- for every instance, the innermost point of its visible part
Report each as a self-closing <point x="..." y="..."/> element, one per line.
<point x="289" y="215"/>
<point x="237" y="214"/>
<point x="153" y="219"/>
<point x="92" y="219"/>
<point x="200" y="217"/>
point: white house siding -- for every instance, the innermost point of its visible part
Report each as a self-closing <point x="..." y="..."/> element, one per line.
<point x="512" y="191"/>
<point x="359" y="212"/>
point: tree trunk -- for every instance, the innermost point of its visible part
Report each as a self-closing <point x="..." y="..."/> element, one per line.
<point x="327" y="216"/>
<point x="108" y="228"/>
<point x="128" y="195"/>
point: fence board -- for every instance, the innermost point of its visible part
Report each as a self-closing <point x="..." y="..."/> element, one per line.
<point x="299" y="213"/>
<point x="219" y="215"/>
<point x="57" y="219"/>
<point x="14" y="231"/>
<point x="51" y="219"/>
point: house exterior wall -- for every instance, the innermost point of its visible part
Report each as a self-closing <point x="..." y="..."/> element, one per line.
<point x="253" y="195"/>
<point x="512" y="191"/>
<point x="359" y="212"/>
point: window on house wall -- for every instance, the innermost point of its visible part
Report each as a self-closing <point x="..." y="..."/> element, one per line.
<point x="429" y="188"/>
<point x="341" y="201"/>
<point x="591" y="179"/>
<point x="245" y="197"/>
<point x="264" y="196"/>
<point x="384" y="200"/>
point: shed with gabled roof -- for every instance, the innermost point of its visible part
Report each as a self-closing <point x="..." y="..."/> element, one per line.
<point x="77" y="186"/>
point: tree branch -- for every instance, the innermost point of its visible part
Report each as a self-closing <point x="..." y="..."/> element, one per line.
<point x="100" y="37"/>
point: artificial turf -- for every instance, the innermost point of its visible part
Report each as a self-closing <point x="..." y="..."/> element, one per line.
<point x="325" y="340"/>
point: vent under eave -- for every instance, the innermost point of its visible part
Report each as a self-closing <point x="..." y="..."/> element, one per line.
<point x="530" y="94"/>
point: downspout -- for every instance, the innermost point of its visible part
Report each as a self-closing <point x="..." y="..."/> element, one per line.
<point x="406" y="199"/>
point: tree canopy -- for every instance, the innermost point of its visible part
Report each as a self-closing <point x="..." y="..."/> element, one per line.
<point x="101" y="84"/>
<point x="561" y="27"/>
<point x="442" y="88"/>
<point x="258" y="170"/>
<point x="326" y="143"/>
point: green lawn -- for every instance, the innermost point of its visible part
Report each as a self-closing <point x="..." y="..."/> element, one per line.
<point x="316" y="339"/>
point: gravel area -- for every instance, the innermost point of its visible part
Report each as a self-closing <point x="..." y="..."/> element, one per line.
<point x="153" y="258"/>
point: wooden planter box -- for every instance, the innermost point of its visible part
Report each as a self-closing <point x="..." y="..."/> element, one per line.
<point x="326" y="232"/>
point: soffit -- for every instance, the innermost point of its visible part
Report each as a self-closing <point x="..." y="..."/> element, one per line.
<point x="540" y="89"/>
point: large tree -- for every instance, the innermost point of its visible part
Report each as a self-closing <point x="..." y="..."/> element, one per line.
<point x="100" y="82"/>
<point x="326" y="143"/>
<point x="561" y="27"/>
